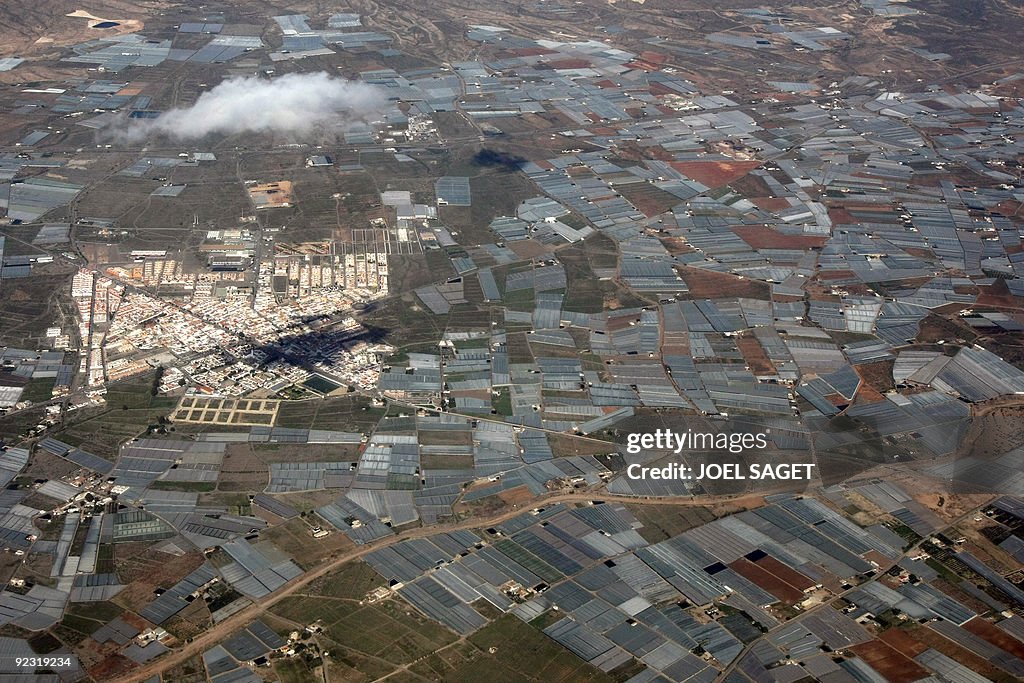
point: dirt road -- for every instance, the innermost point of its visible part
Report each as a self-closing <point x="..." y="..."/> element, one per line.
<point x="241" y="619"/>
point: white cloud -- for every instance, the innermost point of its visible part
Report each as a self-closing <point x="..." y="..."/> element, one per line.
<point x="294" y="104"/>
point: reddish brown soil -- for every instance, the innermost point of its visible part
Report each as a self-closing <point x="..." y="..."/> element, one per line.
<point x="705" y="284"/>
<point x="995" y="635"/>
<point x="771" y="204"/>
<point x="715" y="173"/>
<point x="903" y="642"/>
<point x="997" y="294"/>
<point x="763" y="237"/>
<point x="755" y="356"/>
<point x="766" y="580"/>
<point x="787" y="574"/>
<point x="893" y="665"/>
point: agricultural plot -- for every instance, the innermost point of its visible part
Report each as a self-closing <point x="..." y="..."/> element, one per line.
<point x="226" y="411"/>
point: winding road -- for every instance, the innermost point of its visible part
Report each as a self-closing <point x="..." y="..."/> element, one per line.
<point x="240" y="619"/>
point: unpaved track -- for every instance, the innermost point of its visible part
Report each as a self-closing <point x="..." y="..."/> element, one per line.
<point x="241" y="619"/>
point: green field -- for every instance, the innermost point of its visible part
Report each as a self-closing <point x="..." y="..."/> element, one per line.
<point x="13" y="427"/>
<point x="665" y="521"/>
<point x="38" y="390"/>
<point x="352" y="582"/>
<point x="520" y="300"/>
<point x="296" y="669"/>
<point x="389" y="631"/>
<point x="502" y="403"/>
<point x="131" y="407"/>
<point x="82" y="619"/>
<point x="189" y="486"/>
<point x="343" y="413"/>
<point x="521" y="653"/>
<point x="404" y="323"/>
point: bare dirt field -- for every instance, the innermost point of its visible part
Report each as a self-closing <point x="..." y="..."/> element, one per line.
<point x="892" y="664"/>
<point x="705" y="284"/>
<point x="715" y="173"/>
<point x="763" y="237"/>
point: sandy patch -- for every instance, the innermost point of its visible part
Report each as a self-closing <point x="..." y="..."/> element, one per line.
<point x="123" y="25"/>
